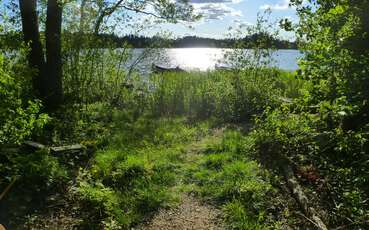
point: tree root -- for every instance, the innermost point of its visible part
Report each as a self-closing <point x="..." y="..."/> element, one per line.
<point x="301" y="198"/>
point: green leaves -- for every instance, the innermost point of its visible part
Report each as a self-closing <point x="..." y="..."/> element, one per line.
<point x="19" y="117"/>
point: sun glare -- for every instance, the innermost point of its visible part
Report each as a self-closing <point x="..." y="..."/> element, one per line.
<point x="197" y="58"/>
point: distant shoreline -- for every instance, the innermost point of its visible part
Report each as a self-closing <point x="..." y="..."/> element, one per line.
<point x="133" y="41"/>
<point x="248" y="42"/>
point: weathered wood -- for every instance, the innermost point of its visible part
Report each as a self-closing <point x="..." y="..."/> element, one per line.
<point x="68" y="148"/>
<point x="301" y="198"/>
<point x="56" y="149"/>
<point x="34" y="145"/>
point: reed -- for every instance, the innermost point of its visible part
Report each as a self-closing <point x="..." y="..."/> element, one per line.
<point x="226" y="95"/>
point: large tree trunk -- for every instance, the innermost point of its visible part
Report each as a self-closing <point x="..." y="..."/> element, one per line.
<point x="53" y="54"/>
<point x="32" y="37"/>
<point x="47" y="82"/>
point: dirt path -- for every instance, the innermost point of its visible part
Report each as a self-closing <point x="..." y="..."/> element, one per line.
<point x="191" y="213"/>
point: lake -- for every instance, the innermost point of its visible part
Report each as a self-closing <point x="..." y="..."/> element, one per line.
<point x="203" y="59"/>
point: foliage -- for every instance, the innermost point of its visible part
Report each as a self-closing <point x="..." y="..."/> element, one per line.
<point x="324" y="132"/>
<point x="321" y="129"/>
<point x="19" y="117"/>
<point x="227" y="96"/>
<point x="262" y="36"/>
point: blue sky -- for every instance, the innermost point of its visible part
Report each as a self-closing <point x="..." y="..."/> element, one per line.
<point x="219" y="15"/>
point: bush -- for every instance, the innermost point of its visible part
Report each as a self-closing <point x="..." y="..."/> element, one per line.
<point x="19" y="118"/>
<point x="331" y="163"/>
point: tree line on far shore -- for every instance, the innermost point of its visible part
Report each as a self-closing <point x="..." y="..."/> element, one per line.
<point x="139" y="41"/>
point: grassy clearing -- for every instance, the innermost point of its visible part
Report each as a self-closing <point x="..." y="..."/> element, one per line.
<point x="124" y="185"/>
<point x="129" y="180"/>
<point x="164" y="139"/>
<point x="166" y="148"/>
<point x="153" y="157"/>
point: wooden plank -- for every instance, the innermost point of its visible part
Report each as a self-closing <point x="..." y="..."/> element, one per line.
<point x="68" y="148"/>
<point x="34" y="145"/>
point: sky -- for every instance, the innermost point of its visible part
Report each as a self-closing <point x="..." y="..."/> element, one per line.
<point x="219" y="15"/>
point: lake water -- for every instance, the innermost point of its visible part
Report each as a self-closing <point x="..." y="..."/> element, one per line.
<point x="204" y="59"/>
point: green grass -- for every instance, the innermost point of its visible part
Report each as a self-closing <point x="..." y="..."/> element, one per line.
<point x="157" y="140"/>
<point x="224" y="174"/>
<point x="155" y="152"/>
<point x="131" y="179"/>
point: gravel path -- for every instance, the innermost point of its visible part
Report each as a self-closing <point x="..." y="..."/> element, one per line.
<point x="189" y="215"/>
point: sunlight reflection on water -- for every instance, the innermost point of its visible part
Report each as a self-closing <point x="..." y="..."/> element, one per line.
<point x="196" y="58"/>
<point x="204" y="59"/>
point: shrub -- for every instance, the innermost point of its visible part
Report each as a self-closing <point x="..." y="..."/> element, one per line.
<point x="18" y="117"/>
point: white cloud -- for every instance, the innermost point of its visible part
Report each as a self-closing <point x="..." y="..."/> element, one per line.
<point x="216" y="10"/>
<point x="282" y="5"/>
<point x="215" y="1"/>
<point x="240" y="22"/>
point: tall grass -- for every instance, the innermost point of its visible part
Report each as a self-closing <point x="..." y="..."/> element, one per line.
<point x="230" y="96"/>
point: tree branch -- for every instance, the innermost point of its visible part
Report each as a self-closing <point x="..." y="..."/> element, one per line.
<point x="110" y="10"/>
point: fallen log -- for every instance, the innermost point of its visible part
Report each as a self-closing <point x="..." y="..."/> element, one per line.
<point x="301" y="198"/>
<point x="34" y="145"/>
<point x="57" y="149"/>
<point x="68" y="148"/>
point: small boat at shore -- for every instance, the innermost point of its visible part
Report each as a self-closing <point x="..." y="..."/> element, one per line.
<point x="162" y="69"/>
<point x="223" y="67"/>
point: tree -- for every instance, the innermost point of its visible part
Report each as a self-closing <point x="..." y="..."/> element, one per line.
<point x="335" y="35"/>
<point x="47" y="81"/>
<point x="53" y="54"/>
<point x="336" y="38"/>
<point x="171" y="11"/>
<point x="31" y="36"/>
